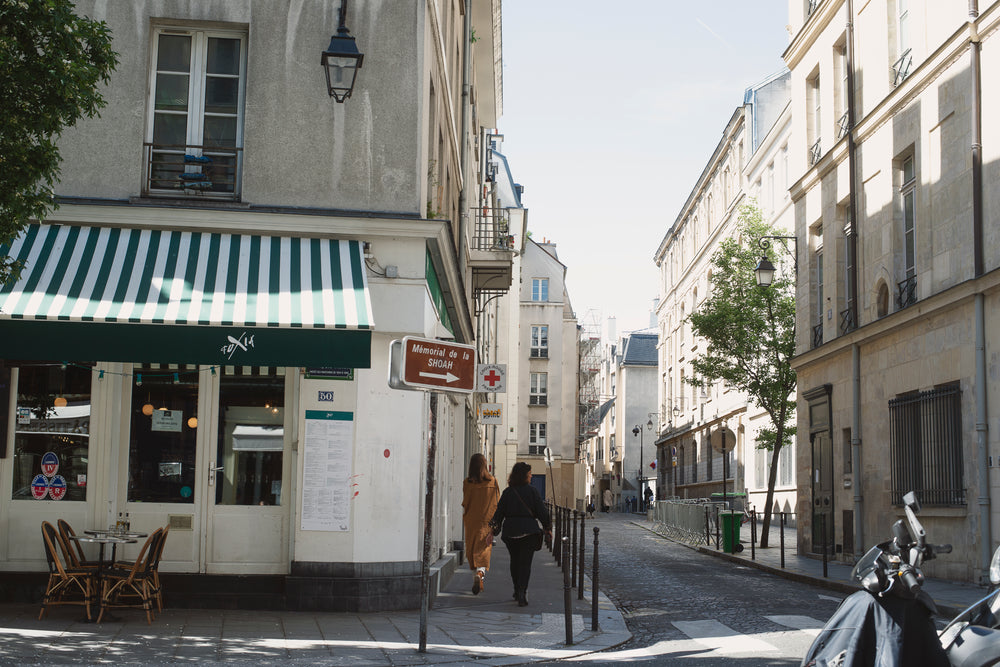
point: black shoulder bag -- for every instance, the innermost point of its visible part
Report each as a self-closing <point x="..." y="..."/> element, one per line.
<point x="538" y="539"/>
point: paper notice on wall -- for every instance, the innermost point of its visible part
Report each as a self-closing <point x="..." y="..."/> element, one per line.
<point x="326" y="476"/>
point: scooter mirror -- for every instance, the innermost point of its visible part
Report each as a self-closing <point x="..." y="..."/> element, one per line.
<point x="995" y="567"/>
<point x="910" y="500"/>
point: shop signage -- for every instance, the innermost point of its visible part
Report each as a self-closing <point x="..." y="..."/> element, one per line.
<point x="50" y="464"/>
<point x="433" y="364"/>
<point x="329" y="373"/>
<point x="39" y="487"/>
<point x="492" y="377"/>
<point x="167" y="420"/>
<point x="57" y="487"/>
<point x="491" y="413"/>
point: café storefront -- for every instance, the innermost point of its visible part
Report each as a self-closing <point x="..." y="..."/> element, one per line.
<point x="161" y="374"/>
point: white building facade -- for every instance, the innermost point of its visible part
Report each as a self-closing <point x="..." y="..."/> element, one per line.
<point x="233" y="254"/>
<point x="894" y="186"/>
<point x="705" y="441"/>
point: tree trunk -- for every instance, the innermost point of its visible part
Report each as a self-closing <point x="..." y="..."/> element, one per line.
<point x="772" y="476"/>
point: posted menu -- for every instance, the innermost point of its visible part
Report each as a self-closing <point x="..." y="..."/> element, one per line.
<point x="326" y="479"/>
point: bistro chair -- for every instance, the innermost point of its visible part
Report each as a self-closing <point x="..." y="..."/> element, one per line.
<point x="154" y="568"/>
<point x="74" y="550"/>
<point x="133" y="586"/>
<point x="67" y="585"/>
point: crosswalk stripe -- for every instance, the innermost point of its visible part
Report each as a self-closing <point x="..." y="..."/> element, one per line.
<point x="806" y="624"/>
<point x="717" y="636"/>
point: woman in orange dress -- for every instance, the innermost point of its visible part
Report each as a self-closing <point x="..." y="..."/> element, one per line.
<point x="480" y="494"/>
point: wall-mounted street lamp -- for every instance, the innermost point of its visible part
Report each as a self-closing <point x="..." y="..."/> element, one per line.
<point x="341" y="60"/>
<point x="765" y="269"/>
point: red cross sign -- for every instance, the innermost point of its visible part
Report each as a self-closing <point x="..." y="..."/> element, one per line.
<point x="492" y="378"/>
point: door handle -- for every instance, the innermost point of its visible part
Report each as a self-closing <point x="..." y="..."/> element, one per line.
<point x="212" y="469"/>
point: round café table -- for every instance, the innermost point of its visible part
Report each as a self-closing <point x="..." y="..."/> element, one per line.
<point x="102" y="537"/>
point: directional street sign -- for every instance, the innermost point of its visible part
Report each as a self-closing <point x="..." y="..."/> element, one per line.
<point x="492" y="377"/>
<point x="438" y="365"/>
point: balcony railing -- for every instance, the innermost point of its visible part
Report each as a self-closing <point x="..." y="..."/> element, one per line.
<point x="842" y="125"/>
<point x="815" y="152"/>
<point x="492" y="230"/>
<point x="811" y="7"/>
<point x="901" y="68"/>
<point x="847" y="323"/>
<point x="538" y="399"/>
<point x="539" y="353"/>
<point x="817" y="335"/>
<point x="211" y="172"/>
<point x="906" y="292"/>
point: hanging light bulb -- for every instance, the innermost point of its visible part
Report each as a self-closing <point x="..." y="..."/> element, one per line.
<point x="147" y="409"/>
<point x="193" y="422"/>
<point x="60" y="402"/>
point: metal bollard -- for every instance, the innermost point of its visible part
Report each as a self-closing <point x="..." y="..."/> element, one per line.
<point x="717" y="547"/>
<point x="708" y="534"/>
<point x="782" y="541"/>
<point x="572" y="550"/>
<point x="568" y="600"/>
<point x="579" y="584"/>
<point x="825" y="575"/>
<point x="593" y="583"/>
<point x="556" y="552"/>
<point x="753" y="534"/>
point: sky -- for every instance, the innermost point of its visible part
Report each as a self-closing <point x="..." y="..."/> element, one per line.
<point x="610" y="113"/>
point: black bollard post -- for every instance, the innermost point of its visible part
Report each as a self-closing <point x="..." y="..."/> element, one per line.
<point x="593" y="585"/>
<point x="556" y="552"/>
<point x="568" y="600"/>
<point x="753" y="534"/>
<point x="572" y="550"/>
<point x="583" y="533"/>
<point x="782" y="541"/>
<point x="708" y="533"/>
<point x="717" y="528"/>
<point x="824" y="546"/>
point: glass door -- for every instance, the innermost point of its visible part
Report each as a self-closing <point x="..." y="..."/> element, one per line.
<point x="247" y="522"/>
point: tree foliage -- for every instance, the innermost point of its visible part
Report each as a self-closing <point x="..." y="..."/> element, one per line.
<point x="52" y="63"/>
<point x="749" y="331"/>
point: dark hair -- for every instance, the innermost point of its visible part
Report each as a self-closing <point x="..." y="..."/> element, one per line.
<point x="478" y="469"/>
<point x="519" y="474"/>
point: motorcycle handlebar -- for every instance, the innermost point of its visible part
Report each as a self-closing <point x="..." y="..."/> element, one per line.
<point x="909" y="580"/>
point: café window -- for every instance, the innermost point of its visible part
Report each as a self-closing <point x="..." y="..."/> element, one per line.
<point x="52" y="432"/>
<point x="251" y="439"/>
<point x="164" y="431"/>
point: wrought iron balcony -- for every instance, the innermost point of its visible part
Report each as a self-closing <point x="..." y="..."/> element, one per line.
<point x="211" y="172"/>
<point x="543" y="353"/>
<point x="491" y="255"/>
<point x="901" y="68"/>
<point x="811" y="7"/>
<point x="847" y="323"/>
<point x="906" y="292"/>
<point x="842" y="125"/>
<point x="817" y="335"/>
<point x="815" y="151"/>
<point x="538" y="399"/>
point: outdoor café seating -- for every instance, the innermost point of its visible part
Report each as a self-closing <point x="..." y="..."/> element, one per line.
<point x="67" y="583"/>
<point x="134" y="586"/>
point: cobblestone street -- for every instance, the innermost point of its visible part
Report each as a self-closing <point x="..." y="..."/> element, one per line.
<point x="684" y="607"/>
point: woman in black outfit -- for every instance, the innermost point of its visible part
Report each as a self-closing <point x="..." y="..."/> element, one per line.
<point x="519" y="512"/>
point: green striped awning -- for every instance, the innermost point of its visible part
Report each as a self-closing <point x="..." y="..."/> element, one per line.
<point x="114" y="294"/>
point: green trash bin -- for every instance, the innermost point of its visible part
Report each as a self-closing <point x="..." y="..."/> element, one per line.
<point x="731" y="531"/>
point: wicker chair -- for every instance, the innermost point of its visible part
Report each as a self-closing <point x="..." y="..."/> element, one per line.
<point x="74" y="550"/>
<point x="67" y="585"/>
<point x="133" y="586"/>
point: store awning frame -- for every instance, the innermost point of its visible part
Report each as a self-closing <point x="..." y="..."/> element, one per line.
<point x="135" y="295"/>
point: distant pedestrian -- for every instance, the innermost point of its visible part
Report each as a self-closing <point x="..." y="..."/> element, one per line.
<point x="649" y="496"/>
<point x="590" y="509"/>
<point x="607" y="499"/>
<point x="480" y="494"/>
<point x="518" y="514"/>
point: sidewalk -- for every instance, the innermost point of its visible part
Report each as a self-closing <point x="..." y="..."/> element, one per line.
<point x="950" y="597"/>
<point x="488" y="629"/>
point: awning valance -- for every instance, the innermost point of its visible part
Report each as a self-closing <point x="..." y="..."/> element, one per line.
<point x="115" y="294"/>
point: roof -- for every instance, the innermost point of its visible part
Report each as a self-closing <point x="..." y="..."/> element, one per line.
<point x="639" y="350"/>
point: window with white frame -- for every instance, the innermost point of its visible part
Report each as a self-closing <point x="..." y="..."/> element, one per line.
<point x="907" y="192"/>
<point x="539" y="289"/>
<point x="613" y="454"/>
<point x="904" y="57"/>
<point x="840" y="94"/>
<point x="195" y="124"/>
<point x="814" y="118"/>
<point x="539" y="389"/>
<point x="536" y="434"/>
<point x="540" y="341"/>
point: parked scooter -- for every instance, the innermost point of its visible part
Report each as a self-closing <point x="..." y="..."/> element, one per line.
<point x="889" y="623"/>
